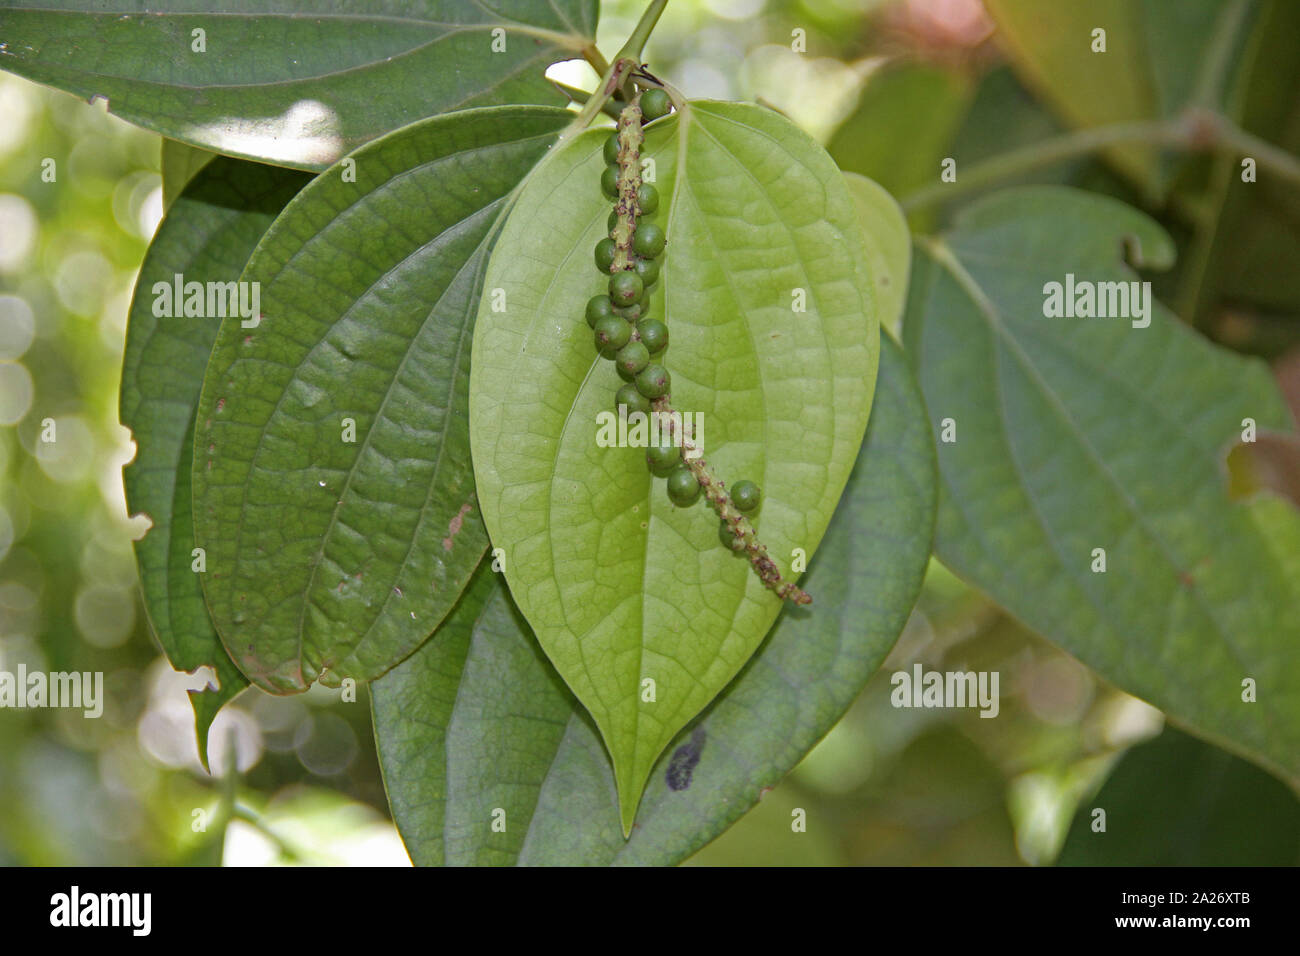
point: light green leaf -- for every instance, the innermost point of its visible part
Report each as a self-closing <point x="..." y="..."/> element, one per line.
<point x="1176" y="801"/>
<point x="1074" y="434"/>
<point x="619" y="585"/>
<point x="332" y="481"/>
<point x="294" y="82"/>
<point x="477" y="719"/>
<point x="889" y="247"/>
<point x="207" y="236"/>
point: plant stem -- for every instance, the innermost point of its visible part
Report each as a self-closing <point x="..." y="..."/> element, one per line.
<point x="1210" y="81"/>
<point x="611" y="108"/>
<point x="593" y="56"/>
<point x="1193" y="131"/>
<point x="615" y="74"/>
<point x="596" y="102"/>
<point x="1045" y="153"/>
<point x="254" y="819"/>
<point x="1270" y="157"/>
<point x="635" y="44"/>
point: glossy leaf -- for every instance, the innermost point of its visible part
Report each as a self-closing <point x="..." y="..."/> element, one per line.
<point x="1177" y="801"/>
<point x="477" y="719"/>
<point x="207" y="236"/>
<point x="620" y="585"/>
<point x="332" y="480"/>
<point x="889" y="247"/>
<point x="294" y="82"/>
<point x="1075" y="434"/>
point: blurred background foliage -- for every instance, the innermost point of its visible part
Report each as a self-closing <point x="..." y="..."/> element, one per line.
<point x="892" y="86"/>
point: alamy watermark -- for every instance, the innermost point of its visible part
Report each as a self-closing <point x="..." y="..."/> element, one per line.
<point x="74" y="689"/>
<point x="938" y="689"/>
<point x="639" y="430"/>
<point x="1084" y="299"/>
<point x="75" y="908"/>
<point x="208" y="300"/>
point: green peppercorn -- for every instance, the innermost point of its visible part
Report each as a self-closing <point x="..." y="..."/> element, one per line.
<point x="652" y="332"/>
<point x="628" y="397"/>
<point x="654" y="104"/>
<point x="598" y="307"/>
<point x="632" y="313"/>
<point x="609" y="181"/>
<point x="605" y="255"/>
<point x="647" y="197"/>
<point x="653" y="381"/>
<point x="661" y="459"/>
<point x="612" y="221"/>
<point x="611" y="148"/>
<point x="632" y="357"/>
<point x="648" y="270"/>
<point x="745" y="495"/>
<point x="649" y="241"/>
<point x="625" y="288"/>
<point x="728" y="537"/>
<point x="612" y="333"/>
<point x="683" y="486"/>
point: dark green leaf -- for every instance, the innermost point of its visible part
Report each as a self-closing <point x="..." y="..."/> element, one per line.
<point x="294" y="82"/>
<point x="1176" y="801"/>
<point x="207" y="236"/>
<point x="478" y="720"/>
<point x="1073" y="434"/>
<point x="332" y="480"/>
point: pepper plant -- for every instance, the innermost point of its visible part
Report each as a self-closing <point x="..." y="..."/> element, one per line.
<point x="610" y="443"/>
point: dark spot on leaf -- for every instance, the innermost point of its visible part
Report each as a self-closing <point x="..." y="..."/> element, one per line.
<point x="684" y="760"/>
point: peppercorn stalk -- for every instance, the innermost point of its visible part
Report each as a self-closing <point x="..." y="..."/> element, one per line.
<point x="744" y="537"/>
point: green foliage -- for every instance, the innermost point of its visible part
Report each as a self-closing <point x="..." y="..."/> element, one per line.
<point x="889" y="247"/>
<point x="619" y="585"/>
<point x="478" y="719"/>
<point x="1164" y="47"/>
<point x="208" y="235"/>
<point x="1177" y="801"/>
<point x="395" y="471"/>
<point x="1048" y="464"/>
<point x="332" y="482"/>
<point x="293" y="83"/>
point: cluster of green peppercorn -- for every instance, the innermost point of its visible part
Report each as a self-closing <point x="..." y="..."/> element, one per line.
<point x="624" y="333"/>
